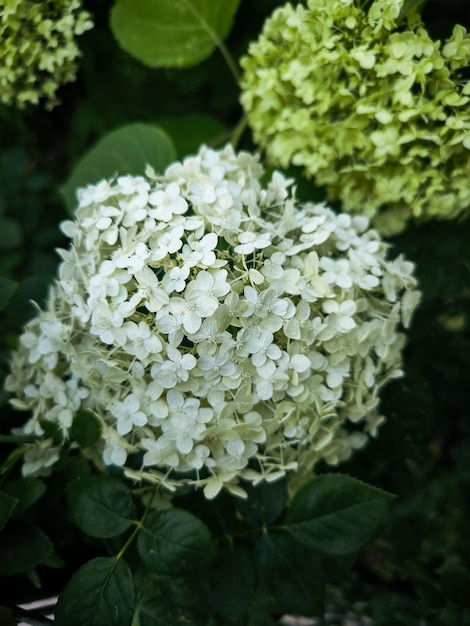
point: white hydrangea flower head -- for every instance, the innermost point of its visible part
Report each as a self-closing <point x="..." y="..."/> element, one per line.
<point x="217" y="328"/>
<point x="365" y="101"/>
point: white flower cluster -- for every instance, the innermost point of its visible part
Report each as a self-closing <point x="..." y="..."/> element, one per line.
<point x="217" y="328"/>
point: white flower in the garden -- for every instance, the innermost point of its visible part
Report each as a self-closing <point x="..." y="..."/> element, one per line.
<point x="218" y="329"/>
<point x="175" y="280"/>
<point x="128" y="414"/>
<point x="175" y="369"/>
<point x="141" y="341"/>
<point x="169" y="202"/>
<point x="249" y="242"/>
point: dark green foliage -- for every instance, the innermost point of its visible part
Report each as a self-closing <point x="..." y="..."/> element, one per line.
<point x="293" y="572"/>
<point x="265" y="502"/>
<point x="22" y="547"/>
<point x="86" y="429"/>
<point x="336" y="514"/>
<point x="100" y="593"/>
<point x="101" y="506"/>
<point x="27" y="491"/>
<point x="174" y="542"/>
<point x="232" y="581"/>
<point x="7" y="505"/>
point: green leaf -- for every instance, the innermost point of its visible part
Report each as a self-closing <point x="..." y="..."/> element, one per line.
<point x="100" y="593"/>
<point x="154" y="606"/>
<point x="408" y="5"/>
<point x="7" y="504"/>
<point x="52" y="430"/>
<point x="233" y="581"/>
<point x="174" y="541"/>
<point x="261" y="608"/>
<point x="171" y="33"/>
<point x="22" y="547"/>
<point x="265" y="502"/>
<point x="86" y="429"/>
<point x="101" y="505"/>
<point x="190" y="131"/>
<point x="72" y="467"/>
<point x="336" y="514"/>
<point x="293" y="572"/>
<point x="126" y="150"/>
<point x="7" y="289"/>
<point x="158" y="605"/>
<point x="15" y="455"/>
<point x="27" y="490"/>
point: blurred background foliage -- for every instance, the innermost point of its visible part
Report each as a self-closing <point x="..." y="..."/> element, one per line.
<point x="417" y="571"/>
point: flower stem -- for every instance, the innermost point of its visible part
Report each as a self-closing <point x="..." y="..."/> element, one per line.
<point x="238" y="131"/>
<point x="138" y="526"/>
<point x="231" y="64"/>
<point x="17" y="439"/>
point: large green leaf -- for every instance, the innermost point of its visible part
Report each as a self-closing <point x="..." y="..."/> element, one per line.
<point x="7" y="504"/>
<point x="336" y="514"/>
<point x="159" y="605"/>
<point x="293" y="573"/>
<point x="265" y="502"/>
<point x="22" y="547"/>
<point x="154" y="606"/>
<point x="171" y="33"/>
<point x="100" y="593"/>
<point x="233" y="581"/>
<point x="126" y="150"/>
<point x="174" y="541"/>
<point x="261" y="607"/>
<point x="101" y="505"/>
<point x="27" y="490"/>
<point x="86" y="429"/>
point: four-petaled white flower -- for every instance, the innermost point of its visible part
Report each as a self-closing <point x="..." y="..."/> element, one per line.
<point x="168" y="202"/>
<point x="175" y="368"/>
<point x="250" y="241"/>
<point x="128" y="414"/>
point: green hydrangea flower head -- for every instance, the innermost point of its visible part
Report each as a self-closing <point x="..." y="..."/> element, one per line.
<point x="368" y="104"/>
<point x="38" y="50"/>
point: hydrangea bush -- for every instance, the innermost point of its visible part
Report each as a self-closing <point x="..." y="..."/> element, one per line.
<point x="391" y="140"/>
<point x="38" y="51"/>
<point x="215" y="327"/>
